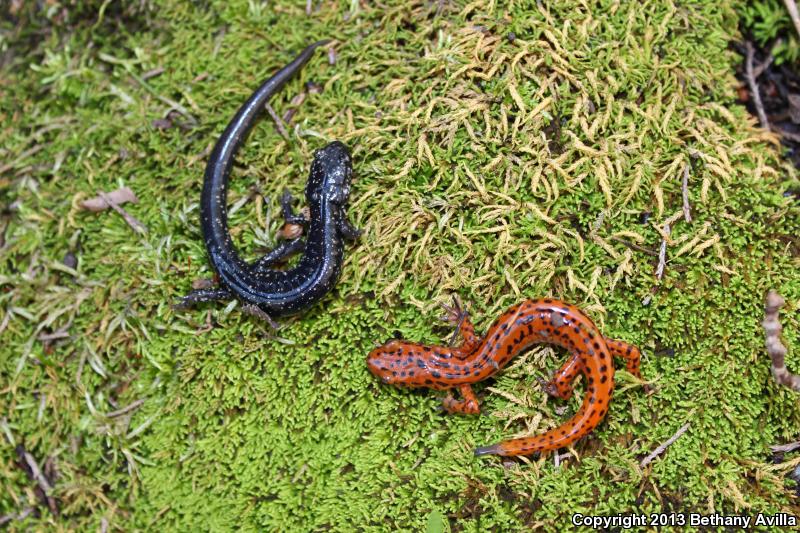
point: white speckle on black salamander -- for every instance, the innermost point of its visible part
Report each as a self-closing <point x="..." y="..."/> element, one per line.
<point x="279" y="292"/>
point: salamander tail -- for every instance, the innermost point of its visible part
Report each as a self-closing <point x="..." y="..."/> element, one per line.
<point x="494" y="449"/>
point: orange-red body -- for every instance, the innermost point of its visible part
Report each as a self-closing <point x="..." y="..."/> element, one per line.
<point x="531" y="322"/>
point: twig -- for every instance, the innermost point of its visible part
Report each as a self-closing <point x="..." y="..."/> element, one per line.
<point x="278" y="122"/>
<point x="791" y="446"/>
<point x="137" y="226"/>
<point x="635" y="246"/>
<point x="791" y="7"/>
<point x="172" y="103"/>
<point x="36" y="473"/>
<point x="758" y="70"/>
<point x="5" y="321"/>
<point x="27" y="153"/>
<point x="751" y="82"/>
<point x="685" y="191"/>
<point x="661" y="449"/>
<point x="59" y="334"/>
<point x="775" y="348"/>
<point x="662" y="254"/>
<point x="218" y="40"/>
<point x="296" y="102"/>
<point x="153" y="73"/>
<point x="208" y="327"/>
<point x="21" y="516"/>
<point x="309" y="4"/>
<point x="127" y="409"/>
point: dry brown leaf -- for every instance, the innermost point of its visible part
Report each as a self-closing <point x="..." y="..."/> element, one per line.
<point x="121" y="196"/>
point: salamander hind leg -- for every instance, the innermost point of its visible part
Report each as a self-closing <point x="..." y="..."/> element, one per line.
<point x="632" y="356"/>
<point x="467" y="406"/>
<point x="203" y="295"/>
<point x="254" y="310"/>
<point x="560" y="385"/>
<point x="280" y="252"/>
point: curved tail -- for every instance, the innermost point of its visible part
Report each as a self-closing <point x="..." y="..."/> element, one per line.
<point x="583" y="422"/>
<point x="213" y="203"/>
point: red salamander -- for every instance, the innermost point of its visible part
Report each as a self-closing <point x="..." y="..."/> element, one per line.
<point x="531" y="322"/>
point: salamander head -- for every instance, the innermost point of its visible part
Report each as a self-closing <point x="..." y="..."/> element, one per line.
<point x="330" y="175"/>
<point x="397" y="363"/>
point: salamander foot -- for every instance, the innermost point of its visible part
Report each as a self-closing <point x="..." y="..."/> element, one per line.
<point x="254" y="310"/>
<point x="201" y="296"/>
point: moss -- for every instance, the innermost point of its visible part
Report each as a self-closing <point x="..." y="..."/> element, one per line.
<point x="501" y="152"/>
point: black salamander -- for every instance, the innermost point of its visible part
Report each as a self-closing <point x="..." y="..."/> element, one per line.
<point x="277" y="292"/>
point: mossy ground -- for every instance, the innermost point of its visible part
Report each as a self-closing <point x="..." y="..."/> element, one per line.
<point x="501" y="151"/>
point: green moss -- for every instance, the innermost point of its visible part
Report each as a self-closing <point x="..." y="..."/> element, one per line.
<point x="493" y="167"/>
<point x="769" y="23"/>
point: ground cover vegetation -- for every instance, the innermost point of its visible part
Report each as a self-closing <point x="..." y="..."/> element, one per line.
<point x="502" y="150"/>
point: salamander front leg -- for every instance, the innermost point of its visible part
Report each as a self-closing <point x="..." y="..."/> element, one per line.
<point x="282" y="251"/>
<point x="560" y="385"/>
<point x="288" y="213"/>
<point x="203" y="295"/>
<point x="349" y="231"/>
<point x="467" y="406"/>
<point x="460" y="317"/>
